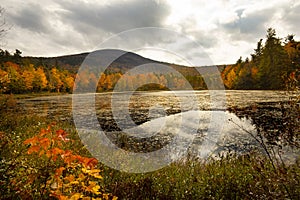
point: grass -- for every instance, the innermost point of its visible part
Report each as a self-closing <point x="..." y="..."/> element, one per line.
<point x="232" y="177"/>
<point x="248" y="176"/>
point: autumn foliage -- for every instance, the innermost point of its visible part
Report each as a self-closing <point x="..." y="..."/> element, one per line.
<point x="15" y="78"/>
<point x="56" y="171"/>
<point x="270" y="66"/>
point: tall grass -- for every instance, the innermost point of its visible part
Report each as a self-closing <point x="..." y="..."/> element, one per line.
<point x="249" y="176"/>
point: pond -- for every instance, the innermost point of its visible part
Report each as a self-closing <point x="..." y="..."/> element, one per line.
<point x="60" y="107"/>
<point x="148" y="121"/>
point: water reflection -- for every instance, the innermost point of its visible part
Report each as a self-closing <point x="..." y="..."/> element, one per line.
<point x="232" y="137"/>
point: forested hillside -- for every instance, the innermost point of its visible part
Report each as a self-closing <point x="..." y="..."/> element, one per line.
<point x="273" y="62"/>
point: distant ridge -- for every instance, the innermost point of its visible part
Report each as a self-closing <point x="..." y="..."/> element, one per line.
<point x="127" y="61"/>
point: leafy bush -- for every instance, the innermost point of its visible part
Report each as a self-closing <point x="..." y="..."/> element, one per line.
<point x="46" y="168"/>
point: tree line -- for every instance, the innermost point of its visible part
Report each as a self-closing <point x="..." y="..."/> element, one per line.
<point x="87" y="80"/>
<point x="25" y="78"/>
<point x="270" y="67"/>
<point x="19" y="75"/>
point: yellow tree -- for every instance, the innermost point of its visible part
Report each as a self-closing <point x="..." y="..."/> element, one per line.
<point x="101" y="83"/>
<point x="40" y="80"/>
<point x="116" y="78"/>
<point x="55" y="80"/>
<point x="69" y="83"/>
<point x="28" y="77"/>
<point x="230" y="79"/>
<point x="108" y="82"/>
<point x="122" y="83"/>
<point x="16" y="84"/>
<point x="4" y="81"/>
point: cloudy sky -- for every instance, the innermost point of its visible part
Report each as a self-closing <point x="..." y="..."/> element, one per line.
<point x="225" y="29"/>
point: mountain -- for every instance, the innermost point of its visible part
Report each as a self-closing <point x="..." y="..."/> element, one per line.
<point x="125" y="62"/>
<point x="73" y="62"/>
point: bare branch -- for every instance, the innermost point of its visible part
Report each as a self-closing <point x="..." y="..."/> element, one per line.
<point x="3" y="25"/>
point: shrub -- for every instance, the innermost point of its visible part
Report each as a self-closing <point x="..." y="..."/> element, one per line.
<point x="46" y="168"/>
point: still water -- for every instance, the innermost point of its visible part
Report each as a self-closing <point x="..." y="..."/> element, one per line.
<point x="191" y="114"/>
<point x="60" y="107"/>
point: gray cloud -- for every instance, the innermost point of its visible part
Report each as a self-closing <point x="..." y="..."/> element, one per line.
<point x="116" y="17"/>
<point x="33" y="17"/>
<point x="66" y="27"/>
<point x="207" y="39"/>
<point x="82" y="25"/>
<point x="248" y="27"/>
<point x="291" y="18"/>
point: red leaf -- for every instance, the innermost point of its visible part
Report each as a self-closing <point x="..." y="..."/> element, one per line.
<point x="293" y="75"/>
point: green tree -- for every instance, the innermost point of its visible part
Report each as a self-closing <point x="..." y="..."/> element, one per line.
<point x="274" y="63"/>
<point x="245" y="78"/>
<point x="292" y="48"/>
<point x="257" y="52"/>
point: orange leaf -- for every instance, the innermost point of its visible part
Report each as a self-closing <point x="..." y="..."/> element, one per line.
<point x="45" y="143"/>
<point x="59" y="171"/>
<point x="92" y="184"/>
<point x="57" y="151"/>
<point x="76" y="196"/>
<point x="91" y="162"/>
<point x="58" y="196"/>
<point x="80" y="158"/>
<point x="43" y="132"/>
<point x="33" y="149"/>
<point x="68" y="157"/>
<point x="54" y="152"/>
<point x="31" y="141"/>
<point x="41" y="152"/>
<point x="70" y="178"/>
